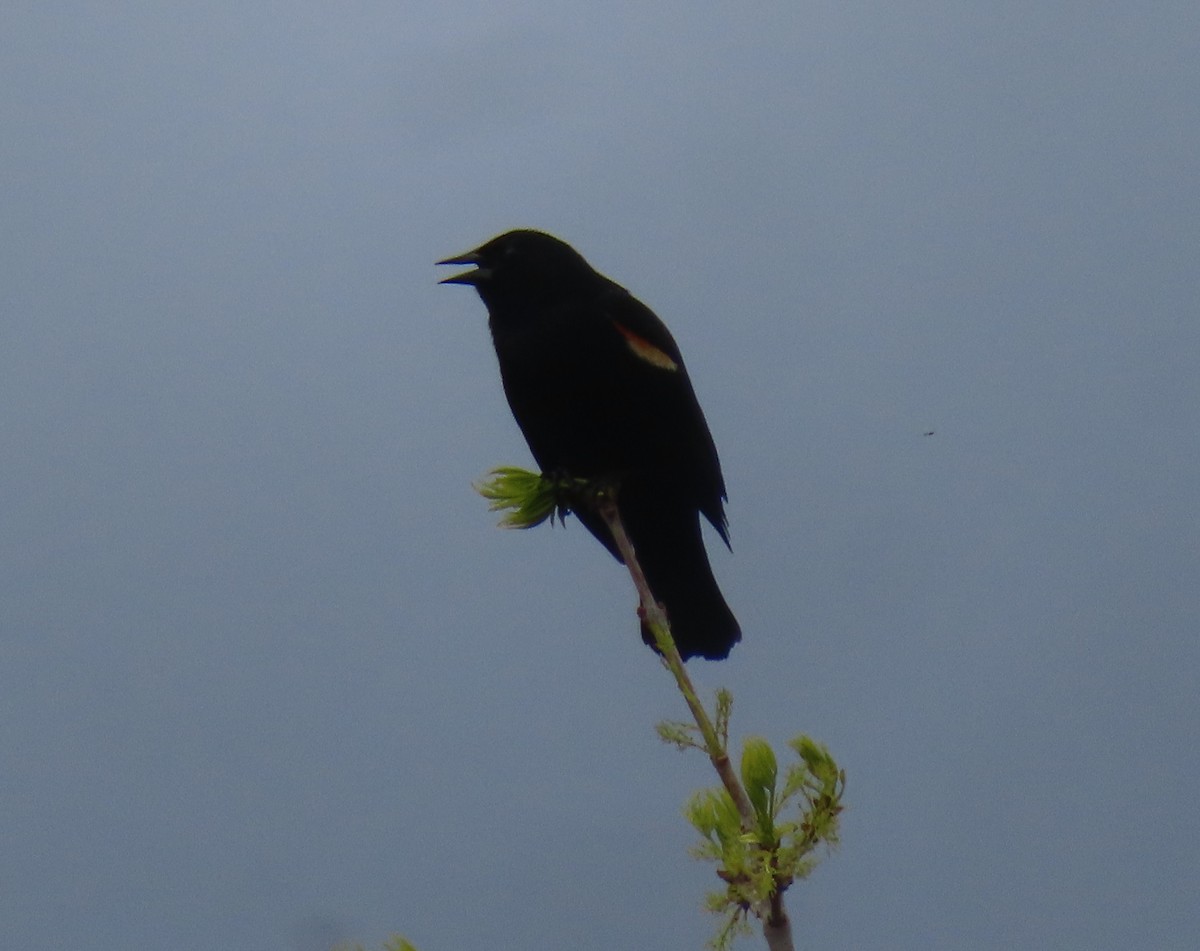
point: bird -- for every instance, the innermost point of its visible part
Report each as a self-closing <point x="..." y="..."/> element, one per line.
<point x="599" y="389"/>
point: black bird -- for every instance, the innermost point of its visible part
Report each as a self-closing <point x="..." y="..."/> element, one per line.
<point x="599" y="389"/>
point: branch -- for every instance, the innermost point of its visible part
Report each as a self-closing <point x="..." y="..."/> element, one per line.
<point x="777" y="928"/>
<point x="656" y="619"/>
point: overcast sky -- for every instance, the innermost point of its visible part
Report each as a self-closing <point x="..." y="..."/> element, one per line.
<point x="271" y="678"/>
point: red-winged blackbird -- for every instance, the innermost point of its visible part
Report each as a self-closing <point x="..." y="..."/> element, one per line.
<point x="599" y="389"/>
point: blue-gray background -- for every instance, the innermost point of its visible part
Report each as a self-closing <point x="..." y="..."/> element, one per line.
<point x="271" y="679"/>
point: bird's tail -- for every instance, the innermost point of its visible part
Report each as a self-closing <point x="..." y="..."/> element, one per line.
<point x="670" y="549"/>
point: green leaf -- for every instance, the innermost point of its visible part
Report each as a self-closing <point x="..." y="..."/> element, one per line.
<point x="759" y="773"/>
<point x="527" y="498"/>
<point x="816" y="757"/>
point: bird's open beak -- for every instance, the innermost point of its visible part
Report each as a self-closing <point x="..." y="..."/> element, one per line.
<point x="466" y="277"/>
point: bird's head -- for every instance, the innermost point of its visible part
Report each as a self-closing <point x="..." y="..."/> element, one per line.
<point x="521" y="267"/>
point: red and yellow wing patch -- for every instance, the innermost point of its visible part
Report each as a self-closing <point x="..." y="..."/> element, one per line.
<point x="645" y="350"/>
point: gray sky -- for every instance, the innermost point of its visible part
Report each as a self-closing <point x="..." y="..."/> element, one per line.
<point x="269" y="676"/>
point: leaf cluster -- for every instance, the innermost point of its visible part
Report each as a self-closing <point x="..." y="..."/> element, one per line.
<point x="794" y="814"/>
<point x="528" y="498"/>
<point x="687" y="736"/>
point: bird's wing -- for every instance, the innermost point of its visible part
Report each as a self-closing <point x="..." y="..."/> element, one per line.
<point x="648" y="339"/>
<point x="645" y="335"/>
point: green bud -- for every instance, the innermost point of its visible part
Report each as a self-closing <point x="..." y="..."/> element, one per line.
<point x="526" y="498"/>
<point x="816" y="757"/>
<point x="702" y="813"/>
<point x="759" y="772"/>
